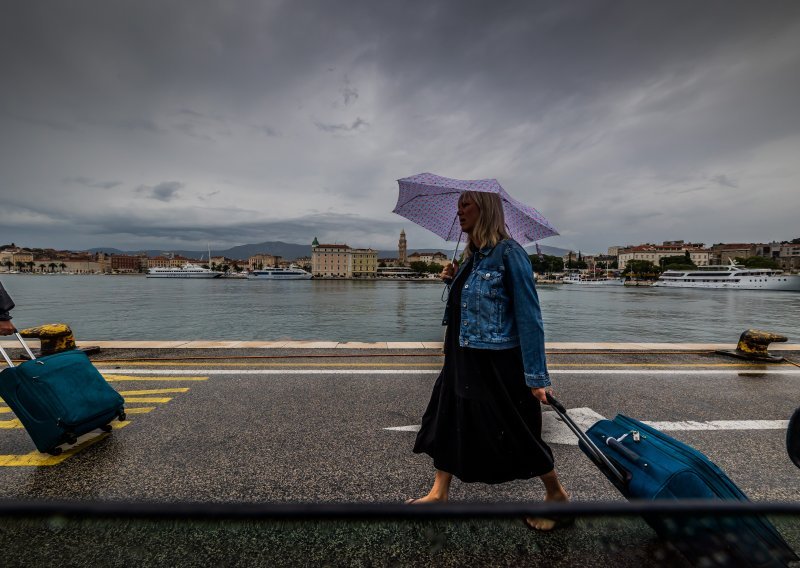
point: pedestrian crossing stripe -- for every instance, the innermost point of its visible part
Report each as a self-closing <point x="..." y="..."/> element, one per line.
<point x="153" y="391"/>
<point x="157" y="399"/>
<point x="15" y="423"/>
<point x="35" y="458"/>
<point x="125" y="378"/>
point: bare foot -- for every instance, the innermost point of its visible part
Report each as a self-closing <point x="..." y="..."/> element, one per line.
<point x="545" y="524"/>
<point x="426" y="499"/>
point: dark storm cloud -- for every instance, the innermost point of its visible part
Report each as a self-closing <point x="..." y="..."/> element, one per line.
<point x="600" y="114"/>
<point x="722" y="179"/>
<point x="89" y="182"/>
<point x="358" y="125"/>
<point x="164" y="191"/>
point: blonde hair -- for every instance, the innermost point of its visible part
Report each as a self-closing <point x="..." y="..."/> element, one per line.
<point x="490" y="228"/>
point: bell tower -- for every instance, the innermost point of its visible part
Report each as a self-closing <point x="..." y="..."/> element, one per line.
<point x="402" y="250"/>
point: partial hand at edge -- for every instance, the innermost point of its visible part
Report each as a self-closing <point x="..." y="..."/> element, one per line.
<point x="449" y="271"/>
<point x="541" y="393"/>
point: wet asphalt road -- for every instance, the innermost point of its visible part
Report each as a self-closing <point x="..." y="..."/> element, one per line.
<point x="276" y="429"/>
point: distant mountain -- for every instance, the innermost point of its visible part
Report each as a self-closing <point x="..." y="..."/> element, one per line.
<point x="291" y="251"/>
<point x="107" y="250"/>
<point x="288" y="251"/>
<point x="553" y="251"/>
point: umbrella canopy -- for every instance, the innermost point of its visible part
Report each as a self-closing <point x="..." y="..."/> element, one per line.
<point x="431" y="201"/>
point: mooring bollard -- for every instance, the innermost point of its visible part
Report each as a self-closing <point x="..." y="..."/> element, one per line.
<point x="753" y="345"/>
<point x="54" y="338"/>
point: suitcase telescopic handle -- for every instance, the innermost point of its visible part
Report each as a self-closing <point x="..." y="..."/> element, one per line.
<point x="24" y="345"/>
<point x="592" y="447"/>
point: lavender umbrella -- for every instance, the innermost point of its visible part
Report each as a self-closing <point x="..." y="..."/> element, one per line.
<point x="431" y="201"/>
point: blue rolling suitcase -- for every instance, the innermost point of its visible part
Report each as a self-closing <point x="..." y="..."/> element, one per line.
<point x="59" y="397"/>
<point x="646" y="464"/>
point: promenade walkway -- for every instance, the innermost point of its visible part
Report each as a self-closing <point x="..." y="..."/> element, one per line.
<point x="333" y="423"/>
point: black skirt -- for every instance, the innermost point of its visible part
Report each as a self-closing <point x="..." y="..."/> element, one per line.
<point x="482" y="422"/>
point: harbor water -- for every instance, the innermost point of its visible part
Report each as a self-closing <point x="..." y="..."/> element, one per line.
<point x="138" y="308"/>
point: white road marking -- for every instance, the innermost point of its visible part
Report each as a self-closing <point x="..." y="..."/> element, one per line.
<point x="436" y="372"/>
<point x="554" y="431"/>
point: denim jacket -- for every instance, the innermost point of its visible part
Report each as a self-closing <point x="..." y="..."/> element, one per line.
<point x="500" y="307"/>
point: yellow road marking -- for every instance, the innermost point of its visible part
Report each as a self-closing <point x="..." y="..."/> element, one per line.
<point x="148" y="399"/>
<point x="214" y="364"/>
<point x="220" y="364"/>
<point x="9" y="424"/>
<point x="140" y="410"/>
<point x="120" y="378"/>
<point x="153" y="391"/>
<point x="40" y="459"/>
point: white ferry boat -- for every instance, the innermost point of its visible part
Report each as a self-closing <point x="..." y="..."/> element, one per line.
<point x="188" y="270"/>
<point x="732" y="276"/>
<point x="579" y="279"/>
<point x="291" y="273"/>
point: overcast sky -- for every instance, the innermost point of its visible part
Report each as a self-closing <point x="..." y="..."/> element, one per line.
<point x="173" y="124"/>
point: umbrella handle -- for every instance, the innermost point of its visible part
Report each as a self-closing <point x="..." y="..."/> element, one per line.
<point x="458" y="242"/>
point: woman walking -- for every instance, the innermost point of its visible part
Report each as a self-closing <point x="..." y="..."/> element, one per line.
<point x="484" y="422"/>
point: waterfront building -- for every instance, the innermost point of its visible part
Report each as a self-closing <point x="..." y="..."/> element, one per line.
<point x="262" y="260"/>
<point x="123" y="263"/>
<point x="789" y="256"/>
<point x="330" y="260"/>
<point x="437" y="257"/>
<point x="402" y="249"/>
<point x="727" y="252"/>
<point x="19" y="259"/>
<point x="342" y="261"/>
<point x="655" y="253"/>
<point x="82" y="264"/>
<point x="303" y="262"/>
<point x="363" y="263"/>
<point x="173" y="261"/>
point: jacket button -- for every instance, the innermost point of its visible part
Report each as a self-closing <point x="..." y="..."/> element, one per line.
<point x="466" y="286"/>
<point x="464" y="324"/>
<point x="488" y="274"/>
<point x="464" y="305"/>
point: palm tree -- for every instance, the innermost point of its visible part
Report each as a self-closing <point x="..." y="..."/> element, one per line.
<point x="30" y="264"/>
<point x="19" y="264"/>
<point x="62" y="266"/>
<point x="52" y="266"/>
<point x="8" y="265"/>
<point x="42" y="266"/>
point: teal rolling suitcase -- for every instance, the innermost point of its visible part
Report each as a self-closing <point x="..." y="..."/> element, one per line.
<point x="646" y="464"/>
<point x="59" y="397"/>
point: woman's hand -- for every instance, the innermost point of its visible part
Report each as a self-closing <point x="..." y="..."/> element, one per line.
<point x="449" y="271"/>
<point x="541" y="394"/>
<point x="7" y="328"/>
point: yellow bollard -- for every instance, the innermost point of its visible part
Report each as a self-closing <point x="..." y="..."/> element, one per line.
<point x="753" y="345"/>
<point x="54" y="337"/>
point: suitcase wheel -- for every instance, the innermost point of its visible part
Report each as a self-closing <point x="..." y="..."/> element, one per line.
<point x="55" y="451"/>
<point x="106" y="428"/>
<point x="122" y="416"/>
<point x="71" y="438"/>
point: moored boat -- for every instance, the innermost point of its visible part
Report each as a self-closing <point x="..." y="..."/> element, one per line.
<point x="733" y="277"/>
<point x="579" y="279"/>
<point x="188" y="270"/>
<point x="291" y="273"/>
